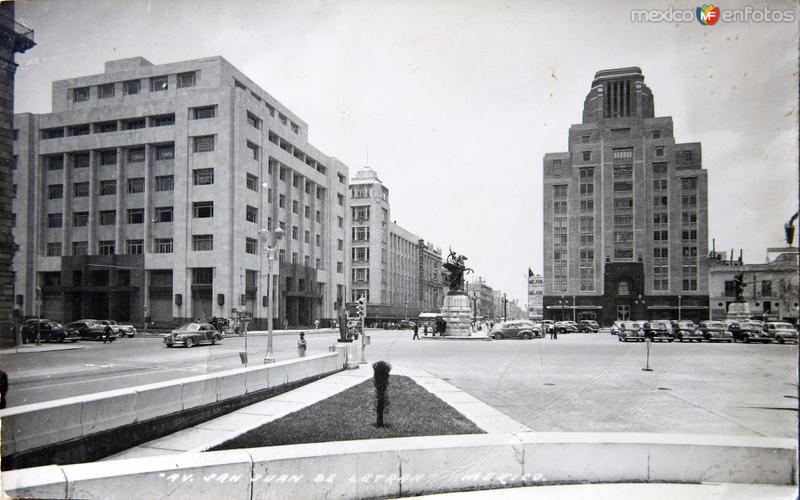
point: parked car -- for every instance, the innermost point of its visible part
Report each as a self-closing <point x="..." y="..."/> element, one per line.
<point x="781" y="332"/>
<point x="566" y="327"/>
<point x="192" y="334"/>
<point x="120" y="330"/>
<point x="47" y="330"/>
<point x="520" y="329"/>
<point x="405" y="324"/>
<point x="616" y="327"/>
<point x="548" y="325"/>
<point x="91" y="329"/>
<point x="588" y="326"/>
<point x="660" y="330"/>
<point x="686" y="329"/>
<point x="630" y="330"/>
<point x="747" y="331"/>
<point x="714" y="331"/>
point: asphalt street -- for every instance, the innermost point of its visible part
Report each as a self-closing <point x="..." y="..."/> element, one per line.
<point x="580" y="382"/>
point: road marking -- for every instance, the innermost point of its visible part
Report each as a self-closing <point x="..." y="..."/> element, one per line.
<point x="93" y="365"/>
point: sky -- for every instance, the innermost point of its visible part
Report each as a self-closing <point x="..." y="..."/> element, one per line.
<point x="454" y="104"/>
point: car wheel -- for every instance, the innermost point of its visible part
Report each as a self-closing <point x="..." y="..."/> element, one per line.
<point x="780" y="340"/>
<point x="213" y="340"/>
<point x="189" y="343"/>
<point x="619" y="338"/>
<point x="498" y="336"/>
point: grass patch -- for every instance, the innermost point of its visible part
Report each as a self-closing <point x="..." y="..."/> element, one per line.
<point x="412" y="411"/>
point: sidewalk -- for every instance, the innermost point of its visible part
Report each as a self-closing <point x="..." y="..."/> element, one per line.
<point x="219" y="430"/>
<point x="33" y="348"/>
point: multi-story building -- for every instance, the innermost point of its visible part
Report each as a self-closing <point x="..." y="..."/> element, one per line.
<point x="404" y="281"/>
<point x="535" y="295"/>
<point x="149" y="192"/>
<point x="16" y="38"/>
<point x="771" y="290"/>
<point x="482" y="297"/>
<point x="431" y="286"/>
<point x="625" y="212"/>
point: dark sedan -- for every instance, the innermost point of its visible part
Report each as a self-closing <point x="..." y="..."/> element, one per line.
<point x="516" y="330"/>
<point x="47" y="331"/>
<point x="660" y="330"/>
<point x="90" y="329"/>
<point x="746" y="331"/>
<point x="714" y="331"/>
<point x="588" y="326"/>
<point x="686" y="330"/>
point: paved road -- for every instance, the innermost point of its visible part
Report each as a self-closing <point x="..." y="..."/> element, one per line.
<point x="579" y="382"/>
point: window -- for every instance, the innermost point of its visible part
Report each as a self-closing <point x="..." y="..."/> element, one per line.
<point x="659" y="150"/>
<point x="587" y="189"/>
<point x="766" y="288"/>
<point x="107" y="247"/>
<point x="203" y="209"/>
<point x="660" y="201"/>
<point x="203" y="113"/>
<point x="623" y="186"/>
<point x="656" y="134"/>
<point x="587" y="205"/>
<point x="623" y="172"/>
<point x="135" y="155"/>
<point x="80" y="94"/>
<point x="252" y="182"/>
<point x="80" y="219"/>
<point x="689" y="183"/>
<point x="307" y="212"/>
<point x="660" y="253"/>
<point x="340" y="267"/>
<point x="134" y="124"/>
<point x="659" y="168"/>
<point x="79" y="130"/>
<point x="689" y="284"/>
<point x="104" y="127"/>
<point x="54" y="220"/>
<point x="108" y="187"/>
<point x="318" y="216"/>
<point x="623" y="253"/>
<point x="165" y="183"/>
<point x="317" y="239"/>
<point x="55" y="162"/>
<point x="253" y="120"/>
<point x="105" y="91"/>
<point x="560" y="192"/>
<point x="587" y="156"/>
<point x="136" y="185"/>
<point x="618" y="132"/>
<point x="361" y="275"/>
<point x="54" y="249"/>
<point x="295" y="128"/>
<point x="660" y="218"/>
<point x="689" y="200"/>
<point x="360" y="234"/>
<point x="203" y="144"/>
<point x="307" y="237"/>
<point x="55" y="191"/>
<point x="623" y="220"/>
<point x="163" y="214"/>
<point x="586" y="173"/>
<point x="281" y="200"/>
<point x="340" y="221"/>
<point x="80" y="160"/>
<point x="294" y="232"/>
<point x="134" y="247"/>
<point x="131" y="87"/>
<point x="623" y="203"/>
<point x="251" y="214"/>
<point x="80" y="248"/>
<point x="687" y="156"/>
<point x="341" y="178"/>
<point x="559" y="207"/>
<point x="80" y="189"/>
<point x="135" y="216"/>
<point x="158" y="83"/>
<point x="162" y="121"/>
<point x="295" y="180"/>
<point x="622" y="153"/>
<point x="585" y="139"/>
<point x="294" y="257"/>
<point x="340" y="243"/>
<point x="165" y="152"/>
<point x="661" y="235"/>
<point x="659" y="184"/>
<point x="162" y="245"/>
<point x="253" y="150"/>
<point x="623" y="288"/>
<point x="340" y="198"/>
<point x="202" y="242"/>
<point x="689" y="235"/>
<point x="560" y="223"/>
<point x="108" y="157"/>
<point x="689" y="217"/>
<point x="108" y="217"/>
<point x="251" y="246"/>
<point x="295" y="207"/>
<point x="318" y="263"/>
<point x="203" y="176"/>
<point x="623" y="236"/>
<point x="187" y="79"/>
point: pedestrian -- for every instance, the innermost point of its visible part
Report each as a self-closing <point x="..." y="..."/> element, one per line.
<point x="301" y="345"/>
<point x="3" y="388"/>
<point x="316" y="324"/>
<point x="425" y="329"/>
<point x="416" y="332"/>
<point x="107" y="334"/>
<point x="285" y="324"/>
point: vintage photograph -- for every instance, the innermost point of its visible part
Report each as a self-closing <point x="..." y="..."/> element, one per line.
<point x="363" y="249"/>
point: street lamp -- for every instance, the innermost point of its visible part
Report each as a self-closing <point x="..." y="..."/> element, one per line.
<point x="474" y="307"/>
<point x="679" y="307"/>
<point x="640" y="301"/>
<point x="562" y="301"/>
<point x="573" y="308"/>
<point x="270" y="241"/>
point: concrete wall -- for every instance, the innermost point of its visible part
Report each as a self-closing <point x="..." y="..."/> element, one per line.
<point x="30" y="427"/>
<point x="419" y="465"/>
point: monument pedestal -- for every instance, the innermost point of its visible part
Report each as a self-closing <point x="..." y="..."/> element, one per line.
<point x="739" y="310"/>
<point x="457" y="312"/>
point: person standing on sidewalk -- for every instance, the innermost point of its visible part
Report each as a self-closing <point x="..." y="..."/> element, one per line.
<point x="416" y="332"/>
<point x="107" y="334"/>
<point x="301" y="345"/>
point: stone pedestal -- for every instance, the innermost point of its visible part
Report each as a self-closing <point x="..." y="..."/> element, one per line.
<point x="457" y="312"/>
<point x="739" y="310"/>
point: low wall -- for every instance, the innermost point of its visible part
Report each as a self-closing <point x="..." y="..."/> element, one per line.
<point x="420" y="465"/>
<point x="62" y="431"/>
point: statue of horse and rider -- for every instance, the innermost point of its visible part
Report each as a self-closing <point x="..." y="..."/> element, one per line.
<point x="456" y="270"/>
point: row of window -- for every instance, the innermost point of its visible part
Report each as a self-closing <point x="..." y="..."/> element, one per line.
<point x="134" y="87"/>
<point x="271" y="109"/>
<point x="109" y="126"/>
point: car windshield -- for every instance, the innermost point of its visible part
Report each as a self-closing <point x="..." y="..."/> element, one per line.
<point x="715" y="324"/>
<point x="783" y="326"/>
<point x="191" y="327"/>
<point x="686" y="324"/>
<point x="630" y="324"/>
<point x="749" y="326"/>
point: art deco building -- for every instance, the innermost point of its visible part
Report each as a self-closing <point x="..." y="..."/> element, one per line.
<point x="431" y="287"/>
<point x="625" y="212"/>
<point x="146" y="191"/>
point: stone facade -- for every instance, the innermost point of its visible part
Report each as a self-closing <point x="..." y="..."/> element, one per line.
<point x="431" y="287"/>
<point x="625" y="202"/>
<point x="147" y="191"/>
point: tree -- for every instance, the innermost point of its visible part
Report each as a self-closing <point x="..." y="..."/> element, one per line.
<point x="381" y="371"/>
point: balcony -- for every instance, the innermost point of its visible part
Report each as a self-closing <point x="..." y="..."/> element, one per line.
<point x="19" y="35"/>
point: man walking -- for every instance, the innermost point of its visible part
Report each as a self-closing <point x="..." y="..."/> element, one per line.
<point x="416" y="332"/>
<point x="107" y="334"/>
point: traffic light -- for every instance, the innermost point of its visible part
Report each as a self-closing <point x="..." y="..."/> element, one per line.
<point x="361" y="307"/>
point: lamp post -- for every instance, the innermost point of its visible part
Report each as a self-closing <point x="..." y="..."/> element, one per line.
<point x="270" y="240"/>
<point x="679" y="307"/>
<point x="505" y="307"/>
<point x="640" y="301"/>
<point x="562" y="301"/>
<point x="573" y="308"/>
<point x="474" y="298"/>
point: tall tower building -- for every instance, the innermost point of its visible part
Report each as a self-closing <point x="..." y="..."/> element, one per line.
<point x="625" y="212"/>
<point x="147" y="190"/>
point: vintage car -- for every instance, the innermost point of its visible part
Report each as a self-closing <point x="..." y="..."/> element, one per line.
<point x="192" y="334"/>
<point x="548" y="325"/>
<point x="91" y="329"/>
<point x="685" y="329"/>
<point x="47" y="331"/>
<point x="660" y="330"/>
<point x="588" y="326"/>
<point x="630" y="330"/>
<point x="747" y="331"/>
<point x="121" y="330"/>
<point x="520" y="329"/>
<point x="616" y="327"/>
<point x="714" y="331"/>
<point x="566" y="327"/>
<point x="780" y="332"/>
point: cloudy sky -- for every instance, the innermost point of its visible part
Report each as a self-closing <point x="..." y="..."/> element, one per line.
<point x="457" y="102"/>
